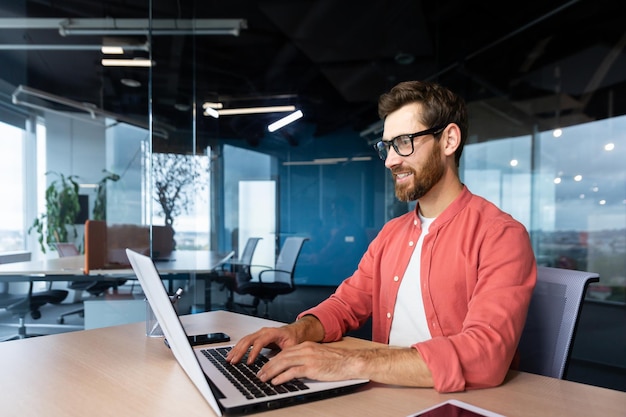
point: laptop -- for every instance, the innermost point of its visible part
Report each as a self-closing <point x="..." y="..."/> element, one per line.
<point x="204" y="364"/>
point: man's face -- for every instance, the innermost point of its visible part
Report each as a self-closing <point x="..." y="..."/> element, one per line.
<point x="414" y="175"/>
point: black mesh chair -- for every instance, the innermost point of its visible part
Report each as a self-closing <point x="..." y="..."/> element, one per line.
<point x="545" y="346"/>
<point x="275" y="281"/>
<point x="20" y="305"/>
<point x="227" y="275"/>
<point x="95" y="288"/>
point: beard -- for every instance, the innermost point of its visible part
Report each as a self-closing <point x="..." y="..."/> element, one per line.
<point x="424" y="180"/>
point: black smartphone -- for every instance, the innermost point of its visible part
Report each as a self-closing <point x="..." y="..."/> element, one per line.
<point x="204" y="339"/>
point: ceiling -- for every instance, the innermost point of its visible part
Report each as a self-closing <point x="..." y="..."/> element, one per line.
<point x="519" y="65"/>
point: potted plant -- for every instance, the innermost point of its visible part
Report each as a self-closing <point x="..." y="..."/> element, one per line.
<point x="100" y="206"/>
<point x="56" y="224"/>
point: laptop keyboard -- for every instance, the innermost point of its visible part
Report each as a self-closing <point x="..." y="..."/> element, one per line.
<point x="243" y="376"/>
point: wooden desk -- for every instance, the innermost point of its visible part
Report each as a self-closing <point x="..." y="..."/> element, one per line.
<point x="118" y="371"/>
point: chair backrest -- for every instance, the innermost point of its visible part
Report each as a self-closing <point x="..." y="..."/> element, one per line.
<point x="67" y="249"/>
<point x="288" y="257"/>
<point x="248" y="251"/>
<point x="545" y="345"/>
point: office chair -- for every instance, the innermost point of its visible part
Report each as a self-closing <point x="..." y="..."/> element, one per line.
<point x="94" y="288"/>
<point x="545" y="345"/>
<point x="228" y="277"/>
<point x="19" y="305"/>
<point x="272" y="282"/>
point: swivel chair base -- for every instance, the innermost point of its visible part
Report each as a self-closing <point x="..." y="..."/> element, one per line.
<point x="21" y="332"/>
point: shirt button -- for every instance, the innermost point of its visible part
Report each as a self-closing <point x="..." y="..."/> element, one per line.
<point x="396" y="278"/>
<point x="414" y="222"/>
<point x="411" y="243"/>
<point x="388" y="315"/>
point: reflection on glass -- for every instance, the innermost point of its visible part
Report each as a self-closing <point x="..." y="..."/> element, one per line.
<point x="180" y="189"/>
<point x="573" y="201"/>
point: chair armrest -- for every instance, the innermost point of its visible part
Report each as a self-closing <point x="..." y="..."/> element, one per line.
<point x="273" y="270"/>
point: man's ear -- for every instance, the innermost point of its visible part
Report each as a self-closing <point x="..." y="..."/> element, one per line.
<point x="451" y="139"/>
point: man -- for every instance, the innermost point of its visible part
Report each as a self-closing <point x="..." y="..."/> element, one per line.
<point x="447" y="286"/>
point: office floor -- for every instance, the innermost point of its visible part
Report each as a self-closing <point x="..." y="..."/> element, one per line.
<point x="598" y="356"/>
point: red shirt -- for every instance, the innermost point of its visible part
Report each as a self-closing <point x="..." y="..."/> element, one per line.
<point x="478" y="272"/>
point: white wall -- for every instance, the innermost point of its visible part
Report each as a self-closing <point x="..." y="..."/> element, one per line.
<point x="76" y="146"/>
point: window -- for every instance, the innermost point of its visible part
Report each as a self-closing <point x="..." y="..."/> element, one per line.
<point x="12" y="178"/>
<point x="573" y="204"/>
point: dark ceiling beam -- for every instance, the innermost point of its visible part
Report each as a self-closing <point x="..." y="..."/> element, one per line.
<point x="602" y="70"/>
<point x="502" y="39"/>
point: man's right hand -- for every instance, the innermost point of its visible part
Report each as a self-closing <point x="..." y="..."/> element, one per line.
<point x="308" y="328"/>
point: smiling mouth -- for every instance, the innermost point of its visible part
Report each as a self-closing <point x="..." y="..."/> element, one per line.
<point x="402" y="175"/>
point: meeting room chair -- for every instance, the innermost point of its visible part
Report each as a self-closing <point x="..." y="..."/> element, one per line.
<point x="20" y="305"/>
<point x="95" y="288"/>
<point x="545" y="345"/>
<point x="272" y="282"/>
<point x="226" y="276"/>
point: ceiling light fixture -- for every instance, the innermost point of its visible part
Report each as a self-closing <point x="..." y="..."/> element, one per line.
<point x="127" y="62"/>
<point x="129" y="82"/>
<point x="48" y="102"/>
<point x="216" y="109"/>
<point x="210" y="111"/>
<point x="285" y="121"/>
<point x="328" y="161"/>
<point x="209" y="104"/>
<point x="112" y="50"/>
<point x="65" y="47"/>
<point x="133" y="27"/>
<point x="256" y="110"/>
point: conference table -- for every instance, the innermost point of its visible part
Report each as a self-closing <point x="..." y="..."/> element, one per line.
<point x="71" y="268"/>
<point x="118" y="371"/>
<point x="192" y="266"/>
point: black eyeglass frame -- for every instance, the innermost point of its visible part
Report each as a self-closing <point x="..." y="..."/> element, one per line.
<point x="382" y="146"/>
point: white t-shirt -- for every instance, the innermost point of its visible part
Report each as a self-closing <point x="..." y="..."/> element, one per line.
<point x="409" y="324"/>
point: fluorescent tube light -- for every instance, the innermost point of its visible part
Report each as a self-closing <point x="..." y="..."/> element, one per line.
<point x="328" y="161"/>
<point x="285" y="121"/>
<point x="210" y="111"/>
<point x="113" y="50"/>
<point x="144" y="32"/>
<point x="209" y="104"/>
<point x="123" y="26"/>
<point x="254" y="110"/>
<point x="127" y="63"/>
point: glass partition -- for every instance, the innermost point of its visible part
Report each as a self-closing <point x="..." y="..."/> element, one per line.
<point x="565" y="190"/>
<point x="569" y="190"/>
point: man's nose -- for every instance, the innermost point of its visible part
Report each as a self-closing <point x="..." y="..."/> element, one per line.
<point x="393" y="158"/>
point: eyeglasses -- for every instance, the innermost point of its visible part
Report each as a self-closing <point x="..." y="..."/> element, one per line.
<point x="403" y="144"/>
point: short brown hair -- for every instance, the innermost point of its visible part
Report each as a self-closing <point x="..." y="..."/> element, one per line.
<point x="440" y="106"/>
